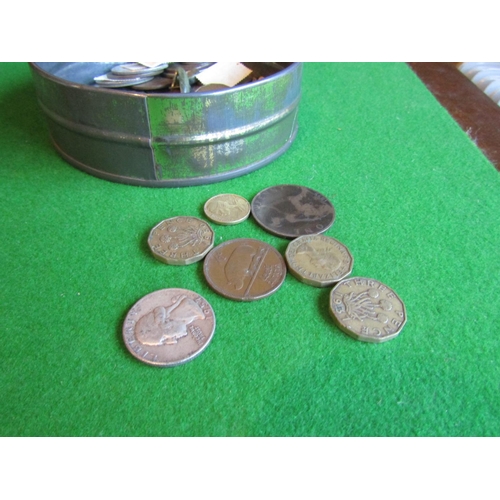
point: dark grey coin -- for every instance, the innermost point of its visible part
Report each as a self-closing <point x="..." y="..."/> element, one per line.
<point x="290" y="211"/>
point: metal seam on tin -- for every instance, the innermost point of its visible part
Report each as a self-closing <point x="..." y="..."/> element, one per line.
<point x="167" y="139"/>
<point x="192" y="181"/>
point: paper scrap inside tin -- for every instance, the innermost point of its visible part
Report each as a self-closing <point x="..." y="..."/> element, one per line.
<point x="227" y="73"/>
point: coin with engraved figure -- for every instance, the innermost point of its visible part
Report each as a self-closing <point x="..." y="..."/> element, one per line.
<point x="244" y="269"/>
<point x="290" y="211"/>
<point x="180" y="241"/>
<point x="367" y="310"/>
<point x="318" y="260"/>
<point x="169" y="327"/>
<point x="227" y="209"/>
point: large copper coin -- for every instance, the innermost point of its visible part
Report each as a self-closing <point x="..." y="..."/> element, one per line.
<point x="169" y="327"/>
<point x="180" y="241"/>
<point x="244" y="269"/>
<point x="318" y="260"/>
<point x="291" y="211"/>
<point x="367" y="310"/>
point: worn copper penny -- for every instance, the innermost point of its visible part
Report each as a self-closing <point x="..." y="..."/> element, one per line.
<point x="181" y="240"/>
<point x="227" y="209"/>
<point x="244" y="269"/>
<point x="367" y="310"/>
<point x="318" y="260"/>
<point x="290" y="211"/>
<point x="169" y="327"/>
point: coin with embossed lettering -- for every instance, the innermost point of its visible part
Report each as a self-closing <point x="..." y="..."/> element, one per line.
<point x="244" y="269"/>
<point x="318" y="260"/>
<point x="181" y="240"/>
<point x="367" y="310"/>
<point x="227" y="209"/>
<point x="290" y="211"/>
<point x="169" y="327"/>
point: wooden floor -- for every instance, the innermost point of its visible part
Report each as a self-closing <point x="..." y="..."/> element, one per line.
<point x="473" y="110"/>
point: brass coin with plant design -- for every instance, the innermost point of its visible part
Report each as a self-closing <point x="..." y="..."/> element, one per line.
<point x="367" y="310"/>
<point x="180" y="241"/>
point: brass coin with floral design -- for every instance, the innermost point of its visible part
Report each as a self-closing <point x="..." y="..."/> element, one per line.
<point x="367" y="310"/>
<point x="180" y="241"/>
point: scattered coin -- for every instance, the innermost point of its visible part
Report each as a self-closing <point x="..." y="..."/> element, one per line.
<point x="290" y="211"/>
<point x="367" y="310"/>
<point x="227" y="209"/>
<point x="318" y="260"/>
<point x="244" y="269"/>
<point x="181" y="240"/>
<point x="169" y="327"/>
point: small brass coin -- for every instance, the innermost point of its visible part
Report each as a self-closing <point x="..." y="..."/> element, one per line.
<point x="318" y="260"/>
<point x="290" y="211"/>
<point x="227" y="209"/>
<point x="244" y="269"/>
<point x="169" y="327"/>
<point x="367" y="310"/>
<point x="180" y="241"/>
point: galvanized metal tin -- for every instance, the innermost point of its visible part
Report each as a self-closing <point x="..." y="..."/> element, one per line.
<point x="167" y="139"/>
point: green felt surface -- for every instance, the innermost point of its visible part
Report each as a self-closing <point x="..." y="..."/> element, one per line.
<point x="417" y="204"/>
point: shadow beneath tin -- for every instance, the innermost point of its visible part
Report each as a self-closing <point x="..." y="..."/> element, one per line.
<point x="22" y="115"/>
<point x="26" y="138"/>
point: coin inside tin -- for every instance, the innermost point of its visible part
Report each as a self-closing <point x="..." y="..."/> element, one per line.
<point x="290" y="211"/>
